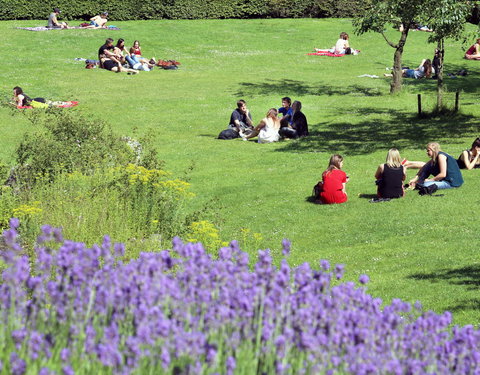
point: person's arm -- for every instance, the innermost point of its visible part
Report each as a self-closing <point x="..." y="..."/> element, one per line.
<point x="261" y="125"/>
<point x="248" y="118"/>
<point x="477" y="49"/>
<point x="442" y="164"/>
<point x="469" y="164"/>
<point x="379" y="172"/>
<point x="404" y="173"/>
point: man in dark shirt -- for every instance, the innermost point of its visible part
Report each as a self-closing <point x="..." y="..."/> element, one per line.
<point x="241" y="120"/>
<point x="299" y="126"/>
<point x="105" y="53"/>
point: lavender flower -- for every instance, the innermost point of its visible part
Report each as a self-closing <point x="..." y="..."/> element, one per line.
<point x="363" y="279"/>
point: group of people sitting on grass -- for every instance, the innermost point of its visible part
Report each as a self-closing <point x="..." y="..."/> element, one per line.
<point x="293" y="123"/>
<point x="442" y="171"/>
<point x="117" y="59"/>
<point x="97" y="22"/>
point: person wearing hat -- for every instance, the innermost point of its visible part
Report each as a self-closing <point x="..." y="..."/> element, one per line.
<point x="53" y="22"/>
<point x="98" y="22"/>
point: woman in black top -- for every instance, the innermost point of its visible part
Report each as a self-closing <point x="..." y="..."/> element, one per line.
<point x="470" y="159"/>
<point x="22" y="100"/>
<point x="390" y="176"/>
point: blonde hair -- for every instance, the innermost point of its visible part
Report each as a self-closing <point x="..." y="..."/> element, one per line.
<point x="334" y="162"/>
<point x="393" y="158"/>
<point x="435" y="147"/>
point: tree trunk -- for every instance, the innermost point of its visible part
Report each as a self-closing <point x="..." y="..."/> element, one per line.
<point x="396" y="84"/>
<point x="440" y="47"/>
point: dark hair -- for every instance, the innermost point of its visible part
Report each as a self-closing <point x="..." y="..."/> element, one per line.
<point x="476" y="143"/>
<point x="240" y="103"/>
<point x="287" y="99"/>
<point x="109" y="40"/>
<point x="120" y="41"/>
<point x="18" y="90"/>
<point x="427" y="66"/>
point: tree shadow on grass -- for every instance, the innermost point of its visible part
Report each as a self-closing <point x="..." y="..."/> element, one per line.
<point x="297" y="88"/>
<point x="397" y="129"/>
<point x="468" y="277"/>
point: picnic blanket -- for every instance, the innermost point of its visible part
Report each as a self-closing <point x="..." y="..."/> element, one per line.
<point x="326" y="53"/>
<point x="52" y="104"/>
<point x="44" y="28"/>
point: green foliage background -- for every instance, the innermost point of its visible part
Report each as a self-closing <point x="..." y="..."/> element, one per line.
<point x="120" y="10"/>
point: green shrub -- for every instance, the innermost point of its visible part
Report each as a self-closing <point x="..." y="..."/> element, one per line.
<point x="183" y="9"/>
<point x="67" y="142"/>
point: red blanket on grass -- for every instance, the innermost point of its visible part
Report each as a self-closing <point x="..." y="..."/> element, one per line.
<point x="326" y="53"/>
<point x="63" y="105"/>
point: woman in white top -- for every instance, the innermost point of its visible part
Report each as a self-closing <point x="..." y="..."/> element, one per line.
<point x="267" y="129"/>
<point x="342" y="44"/>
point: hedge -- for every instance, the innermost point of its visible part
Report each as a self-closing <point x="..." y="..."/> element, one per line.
<point x="122" y="10"/>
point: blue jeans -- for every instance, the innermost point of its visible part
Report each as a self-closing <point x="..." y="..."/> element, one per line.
<point x="440" y="184"/>
<point x="130" y="61"/>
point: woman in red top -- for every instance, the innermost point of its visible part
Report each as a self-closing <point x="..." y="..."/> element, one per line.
<point x="334" y="180"/>
<point x="473" y="52"/>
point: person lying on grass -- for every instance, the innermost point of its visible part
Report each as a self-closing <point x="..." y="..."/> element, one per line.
<point x="22" y="100"/>
<point x="298" y="127"/>
<point x="424" y="70"/>
<point x="333" y="182"/>
<point x="443" y="167"/>
<point x="98" y="22"/>
<point x="470" y="159"/>
<point x="267" y="129"/>
<point x="390" y="176"/>
<point x="473" y="53"/>
<point x="53" y="22"/>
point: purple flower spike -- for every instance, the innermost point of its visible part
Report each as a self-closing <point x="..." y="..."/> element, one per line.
<point x="363" y="279"/>
<point x="325" y="264"/>
<point x="17" y="365"/>
<point x="68" y="370"/>
<point x="65" y="354"/>
<point x="286" y="244"/>
<point x="231" y="364"/>
<point x="14" y="223"/>
<point x="339" y="270"/>
<point x="44" y="371"/>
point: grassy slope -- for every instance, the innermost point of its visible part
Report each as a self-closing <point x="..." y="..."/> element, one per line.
<point x="416" y="248"/>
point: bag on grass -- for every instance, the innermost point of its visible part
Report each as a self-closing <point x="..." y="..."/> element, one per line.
<point x="317" y="189"/>
<point x="228" y="134"/>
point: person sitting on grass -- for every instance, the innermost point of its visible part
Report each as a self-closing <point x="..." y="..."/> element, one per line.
<point x="390" y="176"/>
<point x="299" y="126"/>
<point x="333" y="182"/>
<point x="267" y="129"/>
<point x="473" y="53"/>
<point x="53" y="21"/>
<point x="287" y="112"/>
<point x="98" y="22"/>
<point x="342" y="46"/>
<point x="470" y="159"/>
<point x="136" y="55"/>
<point x="424" y="70"/>
<point x="443" y="167"/>
<point x="241" y="119"/>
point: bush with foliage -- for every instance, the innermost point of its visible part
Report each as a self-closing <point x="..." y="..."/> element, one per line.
<point x="183" y="9"/>
<point x="82" y="310"/>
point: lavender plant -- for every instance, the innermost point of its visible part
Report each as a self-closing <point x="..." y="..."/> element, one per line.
<point x="79" y="310"/>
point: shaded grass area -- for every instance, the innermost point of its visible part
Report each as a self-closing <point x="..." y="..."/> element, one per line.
<point x="266" y="187"/>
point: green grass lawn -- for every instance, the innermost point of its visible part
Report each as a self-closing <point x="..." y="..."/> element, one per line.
<point x="417" y="248"/>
